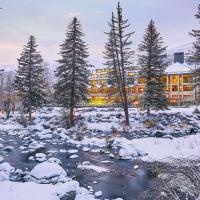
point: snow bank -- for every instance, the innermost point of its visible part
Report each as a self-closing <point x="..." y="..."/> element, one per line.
<point x="33" y="191"/>
<point x="160" y="148"/>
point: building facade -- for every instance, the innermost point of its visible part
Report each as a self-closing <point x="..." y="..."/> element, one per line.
<point x="178" y="81"/>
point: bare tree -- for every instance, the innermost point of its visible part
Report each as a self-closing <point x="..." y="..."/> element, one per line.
<point x="9" y="92"/>
<point x="119" y="56"/>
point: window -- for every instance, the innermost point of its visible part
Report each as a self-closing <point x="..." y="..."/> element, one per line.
<point x="140" y="89"/>
<point x="187" y="78"/>
<point x="141" y="80"/>
<point x="174" y="79"/>
<point x="187" y="88"/>
<point x="163" y="79"/>
<point x="102" y="75"/>
<point x="130" y="74"/>
<point x="102" y="82"/>
<point x="174" y="88"/>
<point x="93" y="82"/>
<point x="98" y="70"/>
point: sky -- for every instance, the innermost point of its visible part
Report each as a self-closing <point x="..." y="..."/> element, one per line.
<point x="47" y="20"/>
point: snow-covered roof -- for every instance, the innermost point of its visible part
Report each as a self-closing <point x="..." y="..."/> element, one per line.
<point x="178" y="68"/>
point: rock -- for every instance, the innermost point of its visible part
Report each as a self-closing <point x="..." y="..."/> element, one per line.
<point x="1" y="159"/>
<point x="54" y="160"/>
<point x="69" y="196"/>
<point x="72" y="151"/>
<point x="35" y="145"/>
<point x="40" y="157"/>
<point x="168" y="137"/>
<point x="111" y="155"/>
<point x="86" y="149"/>
<point x="31" y="158"/>
<point x="159" y="134"/>
<point x="73" y="156"/>
<point x="6" y="167"/>
<point x="8" y="148"/>
<point x="98" y="194"/>
<point x="62" y="151"/>
<point x="196" y="111"/>
<point x="47" y="173"/>
<point x="46" y="126"/>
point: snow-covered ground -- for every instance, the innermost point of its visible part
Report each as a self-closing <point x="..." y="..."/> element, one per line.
<point x="94" y="145"/>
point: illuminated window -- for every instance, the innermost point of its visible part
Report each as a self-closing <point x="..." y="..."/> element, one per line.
<point x="140" y="89"/>
<point x="141" y="80"/>
<point x="187" y="78"/>
<point x="102" y="75"/>
<point x="130" y="74"/>
<point x="187" y="88"/>
<point x="174" y="88"/>
<point x="163" y="79"/>
<point x="98" y="70"/>
<point x="92" y="82"/>
<point x="174" y="79"/>
<point x="106" y="70"/>
<point x="180" y="79"/>
<point x="102" y="82"/>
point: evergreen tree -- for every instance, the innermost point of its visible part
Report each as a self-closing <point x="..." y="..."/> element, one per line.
<point x="72" y="72"/>
<point x="152" y="60"/>
<point x="29" y="80"/>
<point x="118" y="55"/>
<point x="195" y="58"/>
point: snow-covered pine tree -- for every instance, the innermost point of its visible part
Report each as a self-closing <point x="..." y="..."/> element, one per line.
<point x="152" y="60"/>
<point x="29" y="81"/>
<point x="195" y="57"/>
<point x="72" y="73"/>
<point x="118" y="55"/>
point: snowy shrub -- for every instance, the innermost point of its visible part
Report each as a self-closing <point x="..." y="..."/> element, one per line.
<point x="179" y="181"/>
<point x="22" y="120"/>
<point x="80" y="129"/>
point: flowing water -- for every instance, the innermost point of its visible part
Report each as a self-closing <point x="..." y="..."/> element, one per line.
<point x="124" y="180"/>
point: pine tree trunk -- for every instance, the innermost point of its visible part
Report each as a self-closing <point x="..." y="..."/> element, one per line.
<point x="148" y="111"/>
<point x="126" y="116"/>
<point x="30" y="114"/>
<point x="71" y="115"/>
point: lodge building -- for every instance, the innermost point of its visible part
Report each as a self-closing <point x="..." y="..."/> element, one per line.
<point x="178" y="81"/>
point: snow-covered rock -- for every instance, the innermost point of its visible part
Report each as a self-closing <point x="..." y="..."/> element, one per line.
<point x="6" y="167"/>
<point x="5" y="171"/>
<point x="87" y="166"/>
<point x="41" y="157"/>
<point x="54" y="160"/>
<point x="35" y="145"/>
<point x="72" y="151"/>
<point x="1" y="159"/>
<point x="73" y="156"/>
<point x="47" y="173"/>
<point x="98" y="194"/>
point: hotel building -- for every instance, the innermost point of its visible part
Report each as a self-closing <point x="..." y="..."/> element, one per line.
<point x="178" y="81"/>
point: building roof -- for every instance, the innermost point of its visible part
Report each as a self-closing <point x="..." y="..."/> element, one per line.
<point x="178" y="68"/>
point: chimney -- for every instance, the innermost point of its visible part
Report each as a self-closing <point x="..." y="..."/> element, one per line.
<point x="179" y="57"/>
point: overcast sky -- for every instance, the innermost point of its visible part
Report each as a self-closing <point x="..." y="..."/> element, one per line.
<point x="47" y="20"/>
